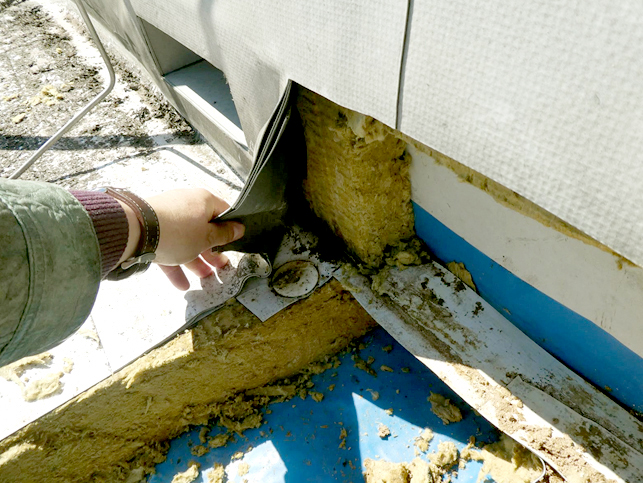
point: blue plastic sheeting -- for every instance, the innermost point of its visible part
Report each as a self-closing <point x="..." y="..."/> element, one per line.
<point x="303" y="437"/>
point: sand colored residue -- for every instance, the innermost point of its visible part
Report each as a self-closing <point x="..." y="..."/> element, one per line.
<point x="199" y="450"/>
<point x="219" y="440"/>
<point x="444" y="408"/>
<point x="357" y="179"/>
<point x="124" y="422"/>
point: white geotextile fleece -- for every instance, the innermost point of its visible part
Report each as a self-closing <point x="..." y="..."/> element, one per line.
<point x="349" y="52"/>
<point x="543" y="97"/>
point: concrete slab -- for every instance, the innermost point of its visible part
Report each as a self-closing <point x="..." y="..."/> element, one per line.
<point x="134" y="140"/>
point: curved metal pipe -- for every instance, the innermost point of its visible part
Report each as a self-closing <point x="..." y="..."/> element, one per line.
<point x="112" y="80"/>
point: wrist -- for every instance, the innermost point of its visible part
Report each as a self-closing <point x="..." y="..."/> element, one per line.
<point x="110" y="225"/>
<point x="143" y="238"/>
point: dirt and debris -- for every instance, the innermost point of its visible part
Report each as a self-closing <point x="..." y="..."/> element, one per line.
<point x="407" y="253"/>
<point x="343" y="434"/>
<point x="385" y="472"/>
<point x="199" y="450"/>
<point x="47" y="75"/>
<point x="363" y="365"/>
<point x="237" y="456"/>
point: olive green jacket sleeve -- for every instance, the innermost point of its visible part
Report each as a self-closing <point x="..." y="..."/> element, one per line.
<point x="49" y="267"/>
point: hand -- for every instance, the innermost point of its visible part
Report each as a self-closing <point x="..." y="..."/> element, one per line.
<point x="188" y="233"/>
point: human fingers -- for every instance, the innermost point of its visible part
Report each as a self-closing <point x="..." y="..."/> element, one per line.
<point x="217" y="260"/>
<point x="199" y="268"/>
<point x="176" y="276"/>
<point x="216" y="204"/>
<point x="223" y="233"/>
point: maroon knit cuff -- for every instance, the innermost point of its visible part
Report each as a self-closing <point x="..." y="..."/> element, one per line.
<point x="110" y="224"/>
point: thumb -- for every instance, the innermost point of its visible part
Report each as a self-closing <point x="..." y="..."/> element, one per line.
<point x="224" y="232"/>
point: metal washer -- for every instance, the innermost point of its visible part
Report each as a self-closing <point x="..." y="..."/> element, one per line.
<point x="296" y="278"/>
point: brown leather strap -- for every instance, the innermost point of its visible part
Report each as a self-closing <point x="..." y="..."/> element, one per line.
<point x="150" y="233"/>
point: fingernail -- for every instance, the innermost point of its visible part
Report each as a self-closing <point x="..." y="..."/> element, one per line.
<point x="238" y="229"/>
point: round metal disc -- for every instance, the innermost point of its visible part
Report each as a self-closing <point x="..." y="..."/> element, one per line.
<point x="295" y="279"/>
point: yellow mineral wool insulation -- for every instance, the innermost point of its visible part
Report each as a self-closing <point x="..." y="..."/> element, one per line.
<point x="446" y="456"/>
<point x="507" y="462"/>
<point x="358" y="180"/>
<point x="422" y="441"/>
<point x="124" y="422"/>
<point x="444" y="408"/>
<point x="417" y="471"/>
<point x="217" y="474"/>
<point x="188" y="476"/>
<point x="460" y="271"/>
<point x="243" y="469"/>
<point x="357" y="177"/>
<point x="34" y="389"/>
<point x="383" y="431"/>
<point x="43" y="387"/>
<point x="385" y="472"/>
<point x="423" y="472"/>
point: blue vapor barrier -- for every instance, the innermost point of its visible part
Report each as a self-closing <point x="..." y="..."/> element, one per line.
<point x="578" y="342"/>
<point x="303" y="440"/>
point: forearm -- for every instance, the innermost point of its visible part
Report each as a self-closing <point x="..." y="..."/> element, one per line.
<point x="51" y="267"/>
